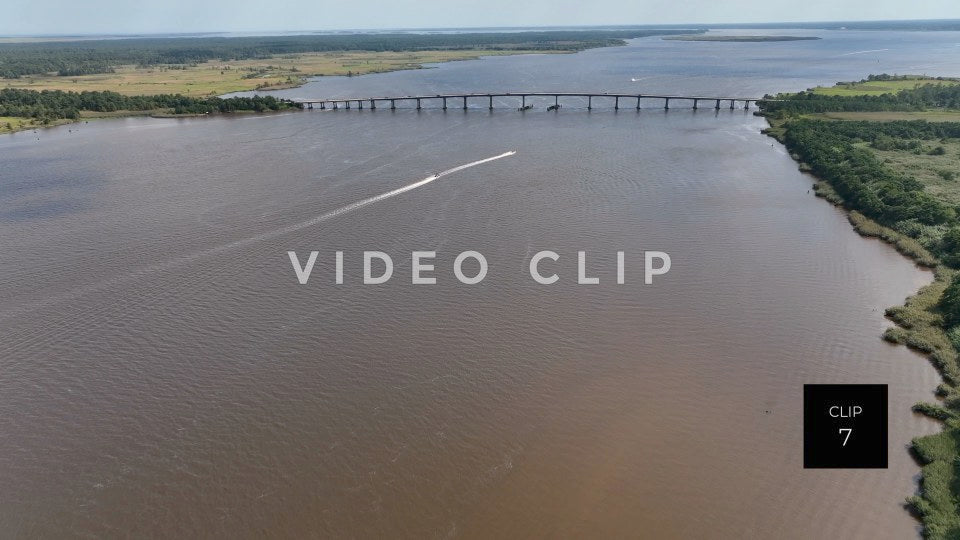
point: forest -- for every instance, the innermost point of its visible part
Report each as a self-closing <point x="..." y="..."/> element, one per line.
<point x="72" y="58"/>
<point x="861" y="179"/>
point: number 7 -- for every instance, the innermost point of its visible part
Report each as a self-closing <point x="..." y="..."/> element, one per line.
<point x="847" y="438"/>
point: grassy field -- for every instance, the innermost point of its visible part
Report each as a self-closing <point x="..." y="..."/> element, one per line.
<point x="940" y="174"/>
<point x="216" y="77"/>
<point x="941" y="115"/>
<point x="876" y="88"/>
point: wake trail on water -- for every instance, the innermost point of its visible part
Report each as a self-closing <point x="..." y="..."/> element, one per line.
<point x="186" y="259"/>
<point x="864" y="52"/>
<point x="342" y="210"/>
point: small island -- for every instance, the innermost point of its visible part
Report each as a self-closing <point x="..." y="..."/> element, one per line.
<point x="738" y="39"/>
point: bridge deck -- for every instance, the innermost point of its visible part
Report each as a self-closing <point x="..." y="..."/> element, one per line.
<point x="528" y="94"/>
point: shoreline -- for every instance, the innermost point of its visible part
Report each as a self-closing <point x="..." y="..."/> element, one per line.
<point x="88" y="116"/>
<point x="917" y="326"/>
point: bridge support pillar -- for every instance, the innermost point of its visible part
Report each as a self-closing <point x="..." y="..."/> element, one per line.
<point x="464" y="102"/>
<point x="418" y="104"/>
<point x="393" y="105"/>
<point x="444" y="103"/>
<point x="696" y="102"/>
<point x="373" y="104"/>
<point x="359" y="104"/>
<point x="589" y="102"/>
<point x="491" y="102"/>
<point x="638" y="103"/>
<point x="666" y="103"/>
<point x="336" y="105"/>
<point x="733" y="104"/>
<point x="746" y="105"/>
<point x="523" y="101"/>
<point x="323" y="105"/>
<point x="616" y="103"/>
<point x="347" y="104"/>
<point x="717" y="107"/>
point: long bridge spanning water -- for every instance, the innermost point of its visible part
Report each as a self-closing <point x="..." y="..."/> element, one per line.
<point x="616" y="100"/>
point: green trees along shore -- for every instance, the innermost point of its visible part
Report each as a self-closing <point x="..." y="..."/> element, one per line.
<point x="49" y="105"/>
<point x="898" y="179"/>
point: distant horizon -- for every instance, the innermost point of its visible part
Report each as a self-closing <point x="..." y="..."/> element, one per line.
<point x="119" y="17"/>
<point x="782" y="24"/>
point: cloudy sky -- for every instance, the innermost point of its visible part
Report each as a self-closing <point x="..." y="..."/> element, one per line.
<point x="131" y="16"/>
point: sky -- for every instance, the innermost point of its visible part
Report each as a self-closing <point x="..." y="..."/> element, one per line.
<point x="30" y="17"/>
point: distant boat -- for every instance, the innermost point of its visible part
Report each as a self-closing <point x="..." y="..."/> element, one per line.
<point x="554" y="107"/>
<point x="525" y="108"/>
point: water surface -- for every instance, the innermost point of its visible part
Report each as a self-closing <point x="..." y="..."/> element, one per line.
<point x="163" y="373"/>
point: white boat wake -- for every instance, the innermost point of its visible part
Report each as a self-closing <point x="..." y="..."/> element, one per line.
<point x="186" y="259"/>
<point x="354" y="206"/>
<point x="864" y="52"/>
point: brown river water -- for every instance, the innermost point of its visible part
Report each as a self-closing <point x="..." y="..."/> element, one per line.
<point x="163" y="374"/>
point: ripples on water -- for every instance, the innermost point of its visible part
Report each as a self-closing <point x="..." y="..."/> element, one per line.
<point x="140" y="395"/>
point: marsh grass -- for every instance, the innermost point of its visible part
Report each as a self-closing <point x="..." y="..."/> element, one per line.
<point x="903" y="243"/>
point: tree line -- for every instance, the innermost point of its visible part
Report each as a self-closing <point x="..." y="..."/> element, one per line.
<point x="49" y="105"/>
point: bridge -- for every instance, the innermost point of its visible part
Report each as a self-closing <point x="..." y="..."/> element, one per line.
<point x="487" y="98"/>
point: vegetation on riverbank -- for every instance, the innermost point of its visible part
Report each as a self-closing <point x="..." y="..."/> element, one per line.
<point x="25" y="109"/>
<point x="900" y="180"/>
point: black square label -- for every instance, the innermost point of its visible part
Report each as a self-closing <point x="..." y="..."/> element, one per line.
<point x="845" y="426"/>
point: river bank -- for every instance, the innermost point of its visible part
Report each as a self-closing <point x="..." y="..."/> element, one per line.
<point x="11" y="124"/>
<point x="29" y="109"/>
<point x="880" y="164"/>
